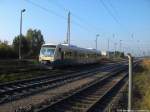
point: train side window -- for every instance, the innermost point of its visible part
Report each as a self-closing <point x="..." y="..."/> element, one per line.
<point x="75" y="54"/>
<point x="67" y="54"/>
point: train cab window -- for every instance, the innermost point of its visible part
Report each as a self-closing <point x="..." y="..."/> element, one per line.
<point x="47" y="51"/>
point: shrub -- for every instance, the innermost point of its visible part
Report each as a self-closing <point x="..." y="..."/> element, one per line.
<point x="6" y="51"/>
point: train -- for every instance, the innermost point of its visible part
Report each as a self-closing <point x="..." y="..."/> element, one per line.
<point x="58" y="55"/>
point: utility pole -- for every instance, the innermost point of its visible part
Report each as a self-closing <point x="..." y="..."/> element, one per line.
<point x="139" y="49"/>
<point x="132" y="37"/>
<point x="23" y="10"/>
<point x="130" y="82"/>
<point x="108" y="45"/>
<point x="120" y="45"/>
<point x="68" y="29"/>
<point x="113" y="35"/>
<point x="108" y="48"/>
<point x="115" y="46"/>
<point x="97" y="35"/>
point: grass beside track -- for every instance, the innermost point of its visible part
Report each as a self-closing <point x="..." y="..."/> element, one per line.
<point x="20" y="76"/>
<point x="12" y="70"/>
<point x="141" y="93"/>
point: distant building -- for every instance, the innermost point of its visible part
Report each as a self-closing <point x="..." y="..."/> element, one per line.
<point x="104" y="53"/>
<point x="107" y="53"/>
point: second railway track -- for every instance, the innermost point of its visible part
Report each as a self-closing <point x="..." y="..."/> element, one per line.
<point x="84" y="99"/>
<point x="20" y="89"/>
<point x="91" y="98"/>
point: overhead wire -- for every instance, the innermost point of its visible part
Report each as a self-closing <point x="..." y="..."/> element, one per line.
<point x="113" y="8"/>
<point x="109" y="11"/>
<point x="83" y="21"/>
<point x="57" y="14"/>
<point x="45" y="9"/>
<point x="77" y="17"/>
<point x="113" y="16"/>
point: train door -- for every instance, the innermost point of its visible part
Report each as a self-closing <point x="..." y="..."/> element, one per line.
<point x="75" y="56"/>
<point x="62" y="56"/>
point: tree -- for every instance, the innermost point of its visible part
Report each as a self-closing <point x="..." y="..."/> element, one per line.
<point x="6" y="51"/>
<point x="35" y="40"/>
<point x="24" y="45"/>
<point x="30" y="44"/>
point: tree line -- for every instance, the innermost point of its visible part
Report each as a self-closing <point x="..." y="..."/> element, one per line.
<point x="30" y="45"/>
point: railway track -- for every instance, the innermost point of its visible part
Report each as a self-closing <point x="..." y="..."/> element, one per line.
<point x="53" y="100"/>
<point x="15" y="95"/>
<point x="91" y="98"/>
<point x="20" y="89"/>
<point x="84" y="99"/>
<point x="108" y="95"/>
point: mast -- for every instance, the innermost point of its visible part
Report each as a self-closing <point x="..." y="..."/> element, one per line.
<point x="68" y="29"/>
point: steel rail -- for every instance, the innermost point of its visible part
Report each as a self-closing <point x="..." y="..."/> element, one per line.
<point x="77" y="93"/>
<point x="52" y="83"/>
<point x="102" y="104"/>
<point x="56" y="105"/>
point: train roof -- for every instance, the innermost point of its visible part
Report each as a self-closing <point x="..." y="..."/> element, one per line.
<point x="49" y="44"/>
<point x="73" y="47"/>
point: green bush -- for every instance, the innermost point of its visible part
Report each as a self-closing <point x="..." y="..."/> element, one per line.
<point x="30" y="46"/>
<point x="6" y="51"/>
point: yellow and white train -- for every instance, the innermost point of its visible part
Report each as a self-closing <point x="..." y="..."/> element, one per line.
<point x="63" y="54"/>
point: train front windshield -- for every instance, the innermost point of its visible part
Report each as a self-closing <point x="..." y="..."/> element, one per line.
<point x="47" y="51"/>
